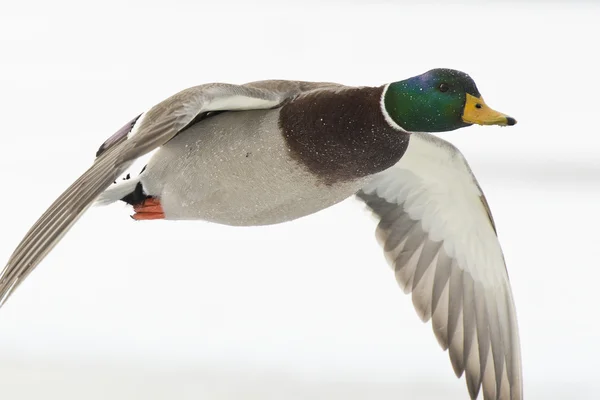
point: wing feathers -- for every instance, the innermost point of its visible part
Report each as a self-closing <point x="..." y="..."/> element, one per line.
<point x="140" y="136"/>
<point x="440" y="310"/>
<point x="437" y="233"/>
<point x="442" y="275"/>
<point x="55" y="222"/>
<point x="422" y="285"/>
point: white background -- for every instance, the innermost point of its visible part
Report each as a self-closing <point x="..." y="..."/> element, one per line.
<point x="308" y="309"/>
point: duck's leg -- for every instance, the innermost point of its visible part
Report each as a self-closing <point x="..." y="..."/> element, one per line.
<point x="149" y="208"/>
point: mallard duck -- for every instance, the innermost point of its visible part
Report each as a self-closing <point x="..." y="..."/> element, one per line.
<point x="272" y="151"/>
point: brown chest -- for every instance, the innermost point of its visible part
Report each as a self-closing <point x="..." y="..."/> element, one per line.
<point x="341" y="136"/>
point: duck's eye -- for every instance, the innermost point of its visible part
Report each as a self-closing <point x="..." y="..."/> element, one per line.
<point x="443" y="87"/>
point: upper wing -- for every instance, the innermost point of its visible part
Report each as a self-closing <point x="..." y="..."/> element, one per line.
<point x="140" y="136"/>
<point x="438" y="235"/>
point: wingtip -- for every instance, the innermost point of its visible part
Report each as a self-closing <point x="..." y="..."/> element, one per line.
<point x="474" y="386"/>
<point x="6" y="289"/>
<point x="457" y="366"/>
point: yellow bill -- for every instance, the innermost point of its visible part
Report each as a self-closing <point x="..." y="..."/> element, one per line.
<point x="477" y="112"/>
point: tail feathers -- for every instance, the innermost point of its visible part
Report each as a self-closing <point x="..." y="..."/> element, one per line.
<point x="117" y="192"/>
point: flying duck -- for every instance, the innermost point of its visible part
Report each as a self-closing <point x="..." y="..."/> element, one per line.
<point x="272" y="151"/>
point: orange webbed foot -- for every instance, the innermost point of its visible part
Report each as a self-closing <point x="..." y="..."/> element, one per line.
<point x="150" y="208"/>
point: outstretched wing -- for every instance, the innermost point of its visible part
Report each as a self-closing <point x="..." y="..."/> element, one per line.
<point x="438" y="235"/>
<point x="140" y="136"/>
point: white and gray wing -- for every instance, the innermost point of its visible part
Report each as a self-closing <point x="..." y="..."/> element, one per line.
<point x="439" y="237"/>
<point x="140" y="136"/>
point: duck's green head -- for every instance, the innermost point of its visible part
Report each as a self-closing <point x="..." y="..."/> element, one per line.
<point x="437" y="101"/>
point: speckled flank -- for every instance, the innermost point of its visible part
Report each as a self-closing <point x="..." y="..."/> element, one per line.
<point x="235" y="168"/>
<point x="341" y="135"/>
